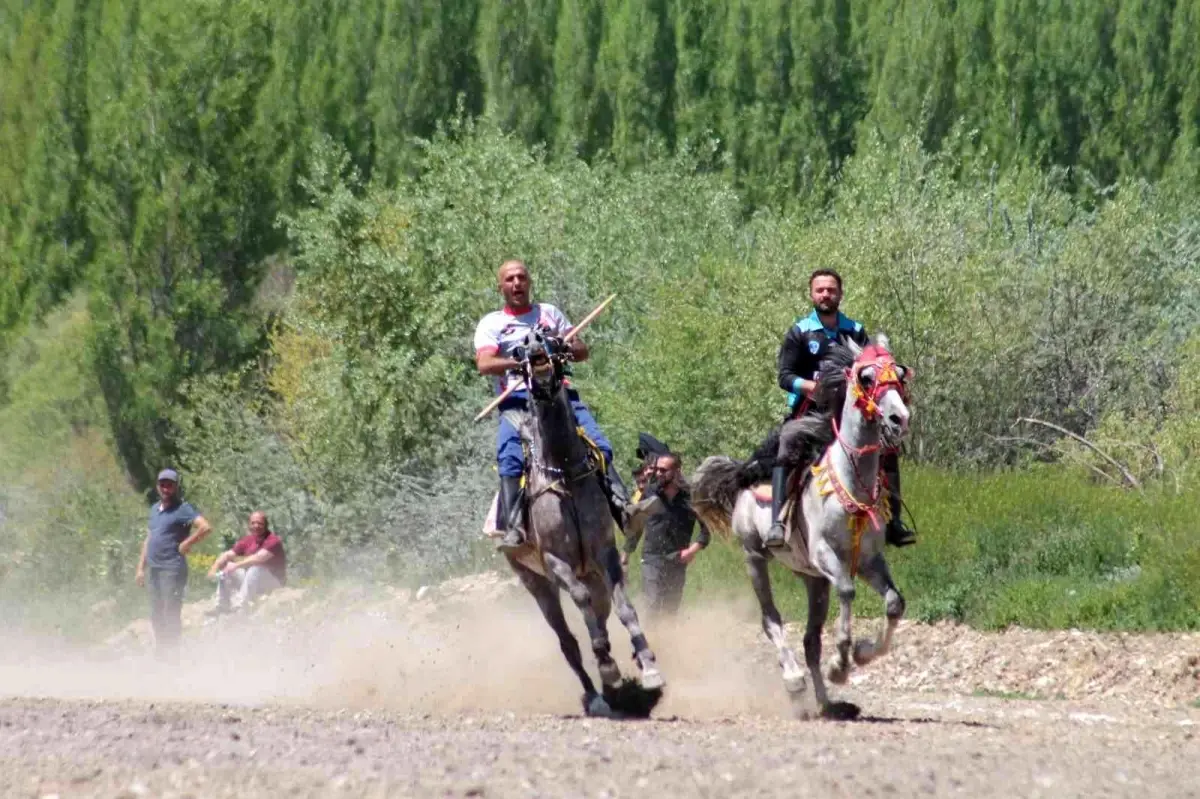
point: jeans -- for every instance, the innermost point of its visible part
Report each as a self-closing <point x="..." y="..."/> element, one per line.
<point x="662" y="582"/>
<point x="511" y="457"/>
<point x="166" y="587"/>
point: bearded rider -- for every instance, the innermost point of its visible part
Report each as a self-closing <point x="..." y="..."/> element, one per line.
<point x="800" y="357"/>
<point x="496" y="337"/>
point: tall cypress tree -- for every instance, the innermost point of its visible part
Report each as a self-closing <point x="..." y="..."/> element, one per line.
<point x="1184" y="72"/>
<point x="699" y="35"/>
<point x="426" y="63"/>
<point x="1145" y="104"/>
<point x="636" y="76"/>
<point x="515" y="48"/>
<point x="578" y="130"/>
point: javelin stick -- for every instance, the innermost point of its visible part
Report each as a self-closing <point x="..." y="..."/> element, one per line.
<point x="587" y="320"/>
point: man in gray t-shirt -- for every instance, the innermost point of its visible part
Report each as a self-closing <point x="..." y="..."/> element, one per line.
<point x="174" y="528"/>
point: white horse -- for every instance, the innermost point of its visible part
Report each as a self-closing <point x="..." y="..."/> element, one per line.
<point x="838" y="533"/>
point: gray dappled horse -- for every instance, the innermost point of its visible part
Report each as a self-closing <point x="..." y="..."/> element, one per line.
<point x="570" y="538"/>
<point x="838" y="532"/>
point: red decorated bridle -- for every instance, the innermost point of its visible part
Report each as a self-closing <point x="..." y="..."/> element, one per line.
<point x="887" y="378"/>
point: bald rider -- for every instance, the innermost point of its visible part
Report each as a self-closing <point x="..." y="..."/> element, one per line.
<point x="496" y="336"/>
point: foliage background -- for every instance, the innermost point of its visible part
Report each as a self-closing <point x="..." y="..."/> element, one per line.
<point x="252" y="240"/>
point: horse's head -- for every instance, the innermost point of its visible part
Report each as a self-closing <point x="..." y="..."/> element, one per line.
<point x="543" y="360"/>
<point x="878" y="387"/>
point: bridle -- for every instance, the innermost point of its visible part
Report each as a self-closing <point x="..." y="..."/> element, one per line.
<point x="544" y="356"/>
<point x="867" y="400"/>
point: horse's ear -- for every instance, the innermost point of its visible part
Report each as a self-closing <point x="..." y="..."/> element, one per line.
<point x="881" y="341"/>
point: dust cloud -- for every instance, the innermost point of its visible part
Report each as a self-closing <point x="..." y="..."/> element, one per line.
<point x="458" y="652"/>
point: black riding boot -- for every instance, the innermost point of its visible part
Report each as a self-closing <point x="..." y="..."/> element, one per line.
<point x="775" y="535"/>
<point x="896" y="533"/>
<point x="510" y="516"/>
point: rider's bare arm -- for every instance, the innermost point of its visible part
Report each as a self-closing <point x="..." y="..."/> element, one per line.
<point x="492" y="363"/>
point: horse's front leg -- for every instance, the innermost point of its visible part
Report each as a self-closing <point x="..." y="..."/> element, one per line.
<point x="581" y="595"/>
<point x="877" y="574"/>
<point x="610" y="672"/>
<point x="545" y="592"/>
<point x="772" y="622"/>
<point x="652" y="678"/>
<point x="838" y="575"/>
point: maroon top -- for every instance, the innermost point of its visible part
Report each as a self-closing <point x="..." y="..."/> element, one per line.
<point x="277" y="565"/>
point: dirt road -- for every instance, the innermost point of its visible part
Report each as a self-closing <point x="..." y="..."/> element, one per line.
<point x="444" y="698"/>
<point x="926" y="745"/>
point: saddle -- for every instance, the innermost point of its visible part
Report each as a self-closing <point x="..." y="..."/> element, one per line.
<point x="796" y="483"/>
<point x="519" y="419"/>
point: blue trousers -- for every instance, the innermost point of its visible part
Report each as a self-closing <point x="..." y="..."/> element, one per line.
<point x="509" y="455"/>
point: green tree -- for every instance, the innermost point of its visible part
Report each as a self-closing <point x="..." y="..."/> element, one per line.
<point x="515" y="48"/>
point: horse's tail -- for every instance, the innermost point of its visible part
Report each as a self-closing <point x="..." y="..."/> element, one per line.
<point x="720" y="478"/>
<point x="715" y="488"/>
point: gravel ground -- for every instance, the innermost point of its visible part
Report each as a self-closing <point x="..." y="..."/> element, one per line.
<point x="925" y="745"/>
<point x="460" y="691"/>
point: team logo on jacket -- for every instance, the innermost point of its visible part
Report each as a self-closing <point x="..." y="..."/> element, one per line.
<point x="814" y="346"/>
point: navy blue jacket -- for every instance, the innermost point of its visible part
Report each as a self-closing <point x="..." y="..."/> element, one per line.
<point x="807" y="345"/>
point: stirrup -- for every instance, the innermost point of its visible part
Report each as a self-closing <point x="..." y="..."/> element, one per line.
<point x="775" y="535"/>
<point x="512" y="540"/>
<point x="898" y="535"/>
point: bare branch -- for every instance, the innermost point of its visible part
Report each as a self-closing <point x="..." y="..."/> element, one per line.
<point x="1129" y="478"/>
<point x="1045" y="445"/>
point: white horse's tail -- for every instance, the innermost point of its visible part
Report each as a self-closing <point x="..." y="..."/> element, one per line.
<point x="715" y="489"/>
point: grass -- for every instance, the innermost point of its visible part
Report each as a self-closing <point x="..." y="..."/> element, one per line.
<point x="1043" y="548"/>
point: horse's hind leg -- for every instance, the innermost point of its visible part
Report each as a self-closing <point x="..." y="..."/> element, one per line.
<point x="876" y="573"/>
<point x="772" y="622"/>
<point x="545" y="593"/>
<point x="582" y="596"/>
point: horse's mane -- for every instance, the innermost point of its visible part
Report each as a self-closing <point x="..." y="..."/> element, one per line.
<point x="813" y="431"/>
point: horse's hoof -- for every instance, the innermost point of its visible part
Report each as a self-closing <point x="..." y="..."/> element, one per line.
<point x="631" y="699"/>
<point x="840" y="711"/>
<point x="838" y="676"/>
<point x="652" y="680"/>
<point x="597" y="708"/>
<point x="864" y="652"/>
<point x="795" y="684"/>
<point x="610" y="673"/>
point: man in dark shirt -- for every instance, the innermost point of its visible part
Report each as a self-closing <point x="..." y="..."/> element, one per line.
<point x="804" y="348"/>
<point x="174" y="528"/>
<point x="668" y="532"/>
